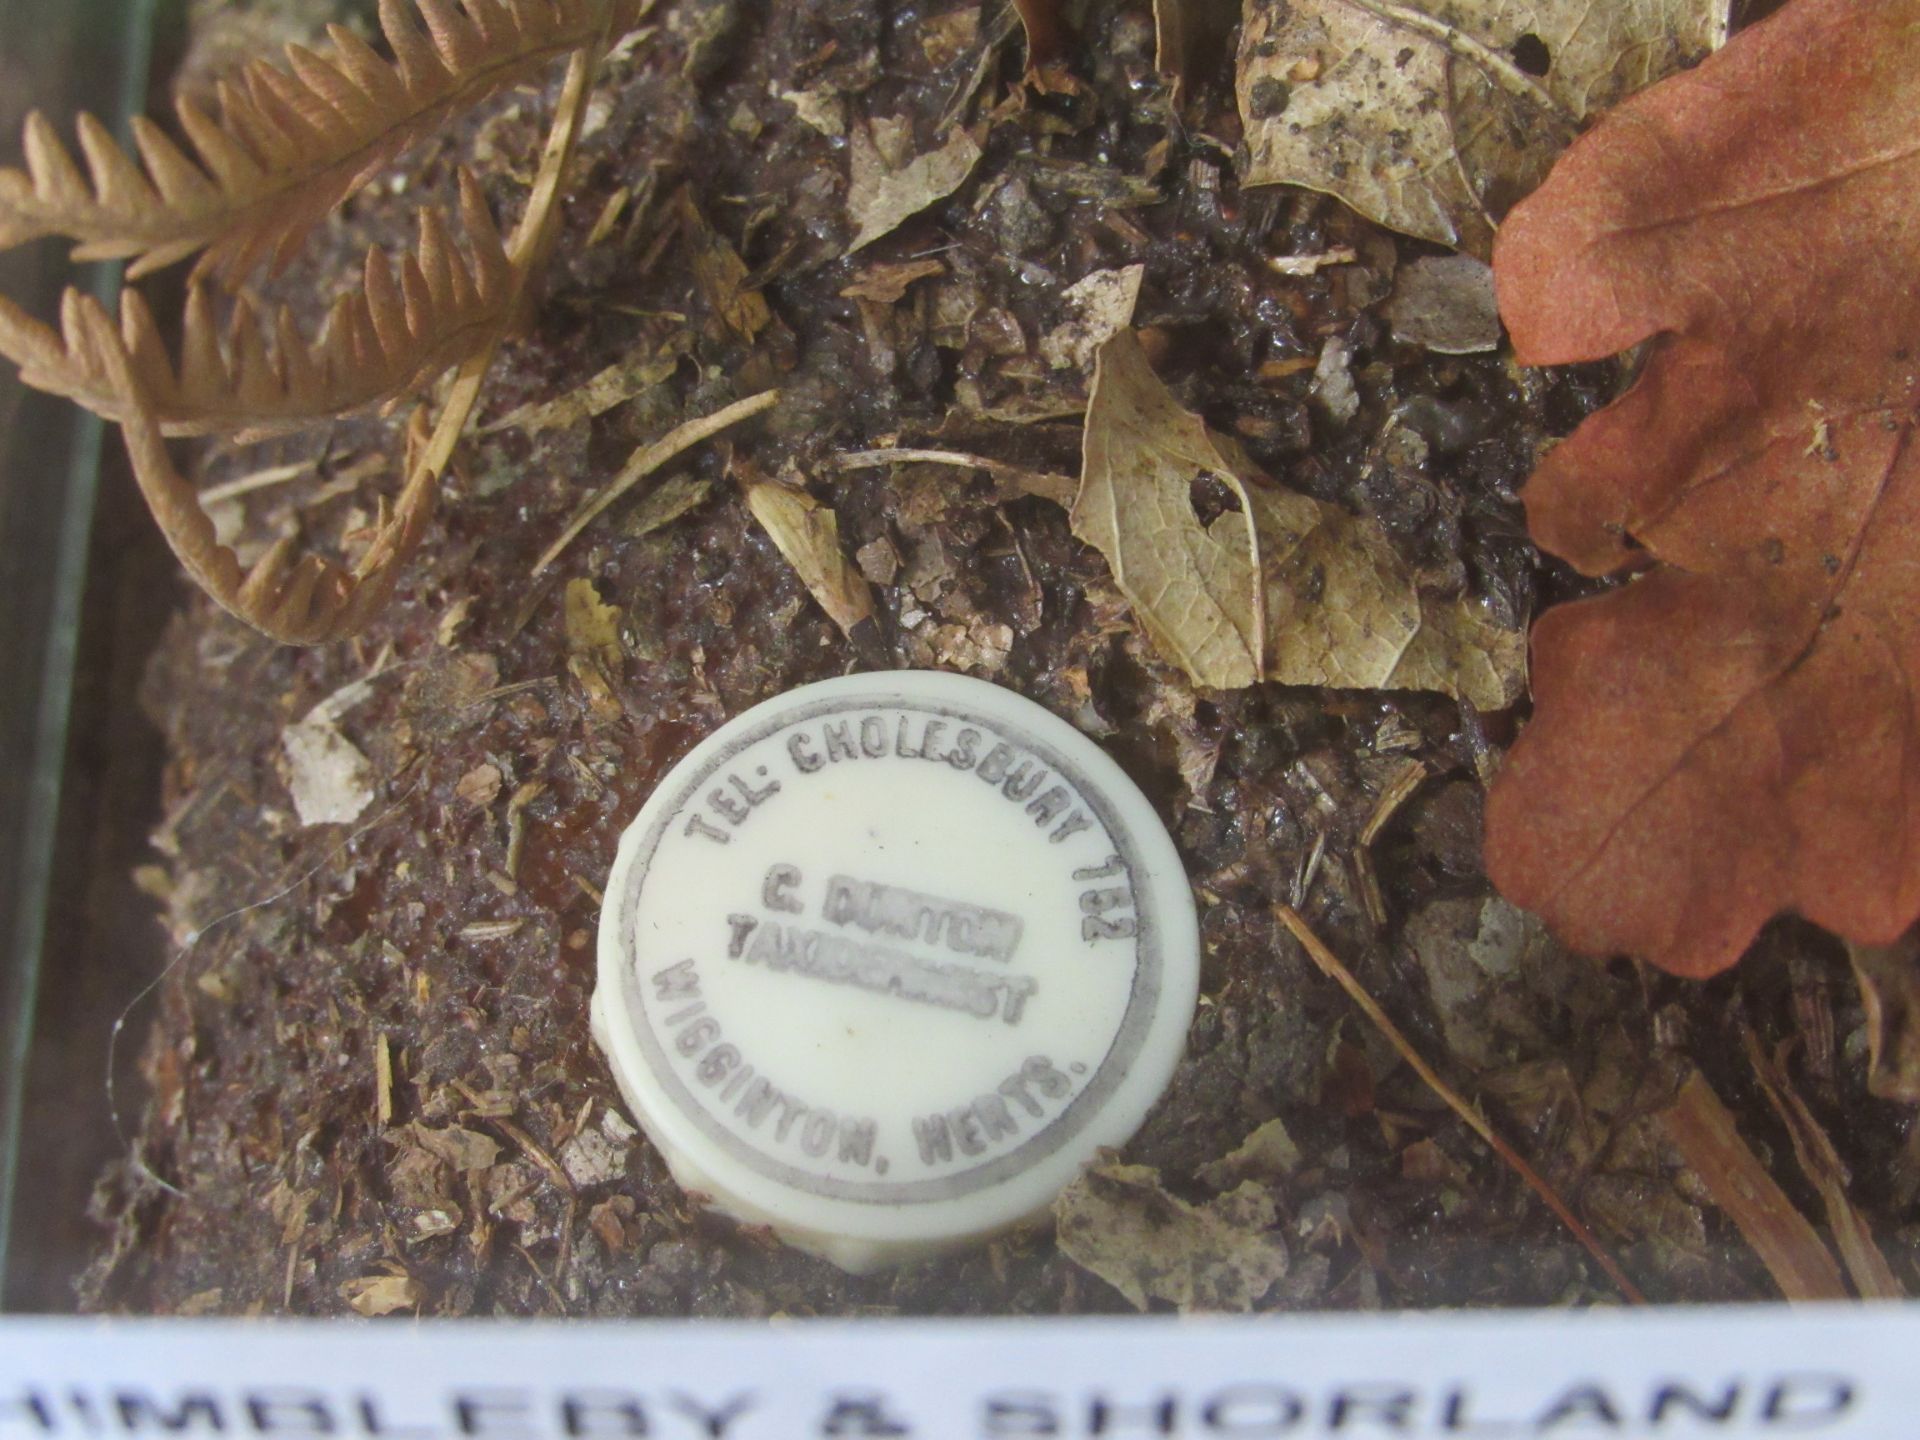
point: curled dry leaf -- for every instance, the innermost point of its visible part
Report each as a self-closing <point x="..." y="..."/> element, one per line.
<point x="1889" y="977"/>
<point x="301" y="601"/>
<point x="879" y="199"/>
<point x="1332" y="603"/>
<point x="1118" y="1222"/>
<point x="1730" y="736"/>
<point x="1434" y="116"/>
<point x="808" y="534"/>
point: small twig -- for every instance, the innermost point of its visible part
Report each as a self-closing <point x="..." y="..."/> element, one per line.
<point x="1331" y="967"/>
<point x="1702" y="1130"/>
<point x="1060" y="489"/>
<point x="650" y="458"/>
<point x="256" y="480"/>
<point x="533" y="1150"/>
<point x="553" y="1294"/>
<point x="1822" y="1165"/>
<point x="1406" y="780"/>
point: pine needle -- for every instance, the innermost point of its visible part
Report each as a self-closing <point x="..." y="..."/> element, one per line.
<point x="1330" y="966"/>
<point x="650" y="458"/>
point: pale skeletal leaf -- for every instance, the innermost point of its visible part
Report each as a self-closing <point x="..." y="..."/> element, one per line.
<point x="1117" y="1221"/>
<point x="1342" y="611"/>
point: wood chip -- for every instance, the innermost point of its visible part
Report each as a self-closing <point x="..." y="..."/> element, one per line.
<point x="1703" y="1131"/>
<point x="1821" y="1164"/>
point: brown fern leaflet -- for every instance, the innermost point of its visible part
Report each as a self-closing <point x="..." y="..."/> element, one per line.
<point x="406" y="324"/>
<point x="290" y="144"/>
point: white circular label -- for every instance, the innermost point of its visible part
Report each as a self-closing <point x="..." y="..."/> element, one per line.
<point x="885" y="960"/>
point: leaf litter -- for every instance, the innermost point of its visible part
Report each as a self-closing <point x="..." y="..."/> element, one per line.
<point x="1434" y="116"/>
<point x="1279" y="585"/>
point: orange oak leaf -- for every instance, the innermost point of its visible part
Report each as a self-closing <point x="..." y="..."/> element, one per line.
<point x="1733" y="733"/>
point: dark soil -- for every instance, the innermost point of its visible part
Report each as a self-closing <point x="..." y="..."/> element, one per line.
<point x="455" y="935"/>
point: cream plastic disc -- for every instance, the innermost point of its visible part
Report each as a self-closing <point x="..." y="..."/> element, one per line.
<point x="885" y="960"/>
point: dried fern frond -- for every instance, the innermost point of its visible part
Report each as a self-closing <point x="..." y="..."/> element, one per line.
<point x="406" y="324"/>
<point x="302" y="601"/>
<point x="290" y="143"/>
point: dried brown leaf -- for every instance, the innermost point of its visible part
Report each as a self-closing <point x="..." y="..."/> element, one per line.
<point x="719" y="273"/>
<point x="331" y="781"/>
<point x="1192" y="586"/>
<point x="1098" y="307"/>
<point x="1727" y="737"/>
<point x="1334" y="605"/>
<point x="1268" y="1153"/>
<point x="375" y="1295"/>
<point x="1434" y="116"/>
<point x="887" y="282"/>
<point x="457" y="1146"/>
<point x="480" y="786"/>
<point x="593" y="626"/>
<point x="1343" y="610"/>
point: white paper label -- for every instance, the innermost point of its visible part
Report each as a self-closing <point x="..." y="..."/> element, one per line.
<point x="1842" y="1372"/>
